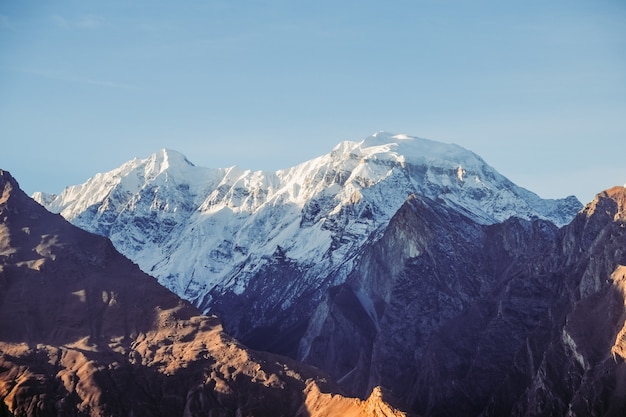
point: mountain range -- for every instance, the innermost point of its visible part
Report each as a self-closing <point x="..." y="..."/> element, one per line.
<point x="396" y="262"/>
<point x="262" y="248"/>
<point x="84" y="332"/>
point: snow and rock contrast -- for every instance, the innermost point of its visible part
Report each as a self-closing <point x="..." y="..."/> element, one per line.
<point x="262" y="248"/>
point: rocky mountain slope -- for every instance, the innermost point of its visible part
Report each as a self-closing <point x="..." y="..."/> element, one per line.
<point x="261" y="249"/>
<point x="83" y="332"/>
<point x="463" y="319"/>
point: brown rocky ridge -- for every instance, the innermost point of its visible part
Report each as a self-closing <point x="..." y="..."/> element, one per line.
<point x="83" y="332"/>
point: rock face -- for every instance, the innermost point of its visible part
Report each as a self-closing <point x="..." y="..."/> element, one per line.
<point x="463" y="319"/>
<point x="83" y="332"/>
<point x="582" y="370"/>
<point x="261" y="249"/>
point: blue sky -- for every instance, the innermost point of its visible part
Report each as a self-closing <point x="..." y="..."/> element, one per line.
<point x="537" y="88"/>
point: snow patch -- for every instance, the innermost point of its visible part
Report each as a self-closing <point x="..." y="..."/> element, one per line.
<point x="460" y="172"/>
<point x="368" y="305"/>
<point x="571" y="344"/>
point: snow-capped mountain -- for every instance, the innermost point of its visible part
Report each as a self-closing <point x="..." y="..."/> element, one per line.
<point x="255" y="245"/>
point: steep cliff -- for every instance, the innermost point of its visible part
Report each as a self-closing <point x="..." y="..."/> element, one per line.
<point x="581" y="371"/>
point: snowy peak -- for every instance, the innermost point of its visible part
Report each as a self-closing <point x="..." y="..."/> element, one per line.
<point x="163" y="170"/>
<point x="165" y="159"/>
<point x="383" y="138"/>
<point x="439" y="171"/>
<point x="363" y="164"/>
<point x="165" y="163"/>
<point x="372" y="159"/>
<point x="418" y="150"/>
<point x="45" y="199"/>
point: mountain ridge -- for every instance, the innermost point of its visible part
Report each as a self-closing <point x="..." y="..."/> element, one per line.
<point x="320" y="188"/>
<point x="84" y="332"/>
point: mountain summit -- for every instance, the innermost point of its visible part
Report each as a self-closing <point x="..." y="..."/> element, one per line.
<point x="262" y="248"/>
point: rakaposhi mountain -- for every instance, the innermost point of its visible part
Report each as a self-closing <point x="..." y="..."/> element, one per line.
<point x="394" y="261"/>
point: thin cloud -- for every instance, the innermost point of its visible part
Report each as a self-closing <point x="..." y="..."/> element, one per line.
<point x="90" y="22"/>
<point x="60" y="21"/>
<point x="4" y="22"/>
<point x="85" y="22"/>
<point x="55" y="75"/>
<point x="146" y="27"/>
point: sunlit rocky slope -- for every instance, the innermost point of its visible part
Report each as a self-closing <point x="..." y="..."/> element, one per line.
<point x="83" y="332"/>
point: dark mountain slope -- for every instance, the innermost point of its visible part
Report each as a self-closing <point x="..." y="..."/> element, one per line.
<point x="581" y="371"/>
<point x="459" y="318"/>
